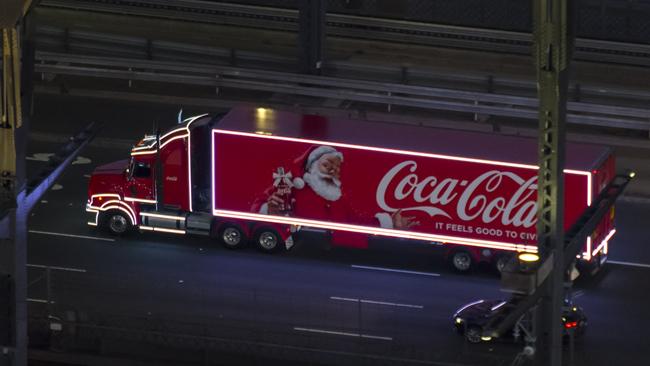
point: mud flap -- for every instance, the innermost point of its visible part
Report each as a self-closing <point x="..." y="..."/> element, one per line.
<point x="288" y="242"/>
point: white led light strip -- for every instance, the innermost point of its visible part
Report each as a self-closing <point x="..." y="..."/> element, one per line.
<point x="164" y="230"/>
<point x="140" y="200"/>
<point x="603" y="244"/>
<point x="586" y="255"/>
<point x="374" y="231"/>
<point x="167" y="217"/>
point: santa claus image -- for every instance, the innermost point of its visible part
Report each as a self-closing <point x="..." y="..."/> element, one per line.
<point x="315" y="193"/>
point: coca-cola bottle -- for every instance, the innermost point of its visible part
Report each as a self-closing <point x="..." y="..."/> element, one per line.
<point x="283" y="185"/>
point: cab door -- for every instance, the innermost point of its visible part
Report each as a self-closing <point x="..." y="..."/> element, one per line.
<point x="141" y="181"/>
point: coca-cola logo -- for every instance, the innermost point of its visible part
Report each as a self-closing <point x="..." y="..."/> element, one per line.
<point x="479" y="199"/>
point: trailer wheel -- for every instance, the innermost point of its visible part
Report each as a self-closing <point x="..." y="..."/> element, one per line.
<point x="116" y="223"/>
<point x="231" y="236"/>
<point x="268" y="240"/>
<point x="461" y="260"/>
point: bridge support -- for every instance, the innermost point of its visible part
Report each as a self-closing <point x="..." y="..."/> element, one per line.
<point x="553" y="39"/>
<point x="311" y="35"/>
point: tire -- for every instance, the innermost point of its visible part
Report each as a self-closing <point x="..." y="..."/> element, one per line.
<point x="461" y="261"/>
<point x="501" y="262"/>
<point x="268" y="240"/>
<point x="231" y="236"/>
<point x="473" y="334"/>
<point x="116" y="223"/>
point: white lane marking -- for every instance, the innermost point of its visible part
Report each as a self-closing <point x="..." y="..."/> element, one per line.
<point x="578" y="294"/>
<point x="39" y="301"/>
<point x="56" y="187"/>
<point x="347" y="334"/>
<point x="68" y="269"/>
<point x="632" y="264"/>
<point x="70" y="235"/>
<point x="396" y="270"/>
<point x="376" y="302"/>
<point x="80" y="160"/>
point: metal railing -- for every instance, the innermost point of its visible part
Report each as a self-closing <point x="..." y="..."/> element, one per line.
<point x="359" y="27"/>
<point x="383" y="93"/>
<point x="95" y="43"/>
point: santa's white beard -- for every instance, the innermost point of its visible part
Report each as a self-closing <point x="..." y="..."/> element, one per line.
<point x="324" y="185"/>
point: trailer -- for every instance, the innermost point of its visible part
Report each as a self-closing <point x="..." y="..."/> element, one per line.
<point x="266" y="176"/>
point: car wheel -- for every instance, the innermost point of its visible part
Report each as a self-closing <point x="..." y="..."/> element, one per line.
<point x="473" y="334"/>
<point x="461" y="261"/>
<point x="232" y="237"/>
<point x="116" y="223"/>
<point x="501" y="262"/>
<point x="268" y="240"/>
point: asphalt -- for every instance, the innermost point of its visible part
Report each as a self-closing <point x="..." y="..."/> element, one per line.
<point x="191" y="286"/>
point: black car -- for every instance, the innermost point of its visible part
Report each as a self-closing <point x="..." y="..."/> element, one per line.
<point x="470" y="319"/>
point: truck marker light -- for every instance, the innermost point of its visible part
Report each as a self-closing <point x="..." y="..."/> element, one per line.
<point x="168" y="217"/>
<point x="373" y="230"/>
<point x="603" y="244"/>
<point x="105" y="195"/>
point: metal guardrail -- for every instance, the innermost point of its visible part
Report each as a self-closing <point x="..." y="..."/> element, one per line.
<point x="94" y="43"/>
<point x="427" y="98"/>
<point x="359" y="27"/>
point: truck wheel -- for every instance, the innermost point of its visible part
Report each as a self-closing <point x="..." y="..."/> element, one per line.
<point x="461" y="261"/>
<point x="232" y="237"/>
<point x="116" y="223"/>
<point x="268" y="240"/>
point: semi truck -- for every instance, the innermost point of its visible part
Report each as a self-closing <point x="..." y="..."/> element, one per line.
<point x="265" y="176"/>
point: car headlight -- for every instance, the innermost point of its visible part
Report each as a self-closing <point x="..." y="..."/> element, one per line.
<point x="458" y="320"/>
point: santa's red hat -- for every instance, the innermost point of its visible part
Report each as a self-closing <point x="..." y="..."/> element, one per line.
<point x="304" y="162"/>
